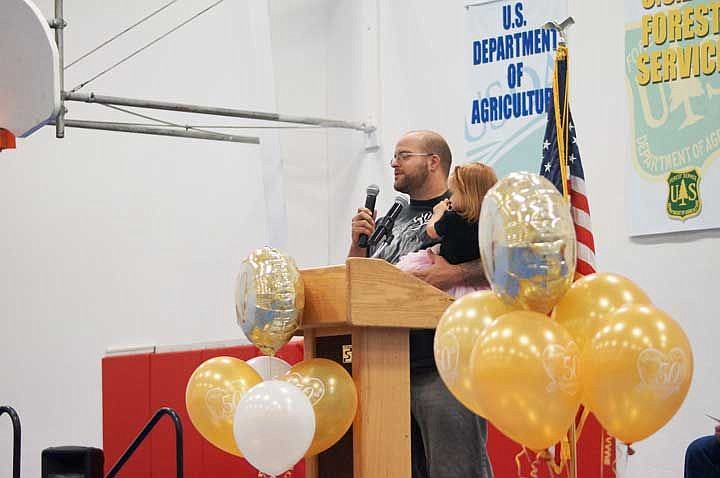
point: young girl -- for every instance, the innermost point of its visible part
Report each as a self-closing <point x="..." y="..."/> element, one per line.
<point x="455" y="223"/>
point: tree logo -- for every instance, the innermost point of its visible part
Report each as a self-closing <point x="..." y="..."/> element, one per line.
<point x="683" y="201"/>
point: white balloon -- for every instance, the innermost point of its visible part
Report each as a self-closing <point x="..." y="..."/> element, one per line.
<point x="274" y="426"/>
<point x="268" y="367"/>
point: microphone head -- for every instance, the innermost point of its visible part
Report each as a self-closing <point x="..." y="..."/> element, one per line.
<point x="373" y="190"/>
<point x="402" y="201"/>
<point x="384" y="224"/>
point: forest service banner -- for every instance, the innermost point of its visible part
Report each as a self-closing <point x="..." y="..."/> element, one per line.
<point x="672" y="64"/>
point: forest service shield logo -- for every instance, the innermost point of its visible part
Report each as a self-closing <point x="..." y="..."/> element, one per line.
<point x="674" y="124"/>
<point x="683" y="200"/>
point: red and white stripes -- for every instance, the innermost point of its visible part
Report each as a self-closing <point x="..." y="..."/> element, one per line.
<point x="583" y="228"/>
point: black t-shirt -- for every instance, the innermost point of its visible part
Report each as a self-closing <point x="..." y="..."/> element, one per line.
<point x="410" y="236"/>
<point x="459" y="238"/>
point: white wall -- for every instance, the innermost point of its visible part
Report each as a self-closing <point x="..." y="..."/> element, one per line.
<point x="114" y="239"/>
<point x="118" y="240"/>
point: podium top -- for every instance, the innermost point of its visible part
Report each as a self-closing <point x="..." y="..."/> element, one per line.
<point x="370" y="293"/>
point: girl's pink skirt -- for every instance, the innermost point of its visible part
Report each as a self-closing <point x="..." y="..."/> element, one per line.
<point x="420" y="260"/>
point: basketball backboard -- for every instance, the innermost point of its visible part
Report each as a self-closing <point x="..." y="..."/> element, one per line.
<point x="29" y="69"/>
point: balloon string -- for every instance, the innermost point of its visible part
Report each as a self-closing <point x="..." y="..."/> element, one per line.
<point x="534" y="471"/>
<point x="554" y="468"/>
<point x="557" y="468"/>
<point x="517" y="461"/>
<point x="626" y="464"/>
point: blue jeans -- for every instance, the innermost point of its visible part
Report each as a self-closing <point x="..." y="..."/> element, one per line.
<point x="702" y="458"/>
<point x="448" y="440"/>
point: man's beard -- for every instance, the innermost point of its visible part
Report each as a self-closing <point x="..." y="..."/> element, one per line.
<point x="413" y="182"/>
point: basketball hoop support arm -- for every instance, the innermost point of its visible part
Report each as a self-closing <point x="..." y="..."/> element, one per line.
<point x="58" y="24"/>
<point x="210" y="110"/>
<point x="160" y="131"/>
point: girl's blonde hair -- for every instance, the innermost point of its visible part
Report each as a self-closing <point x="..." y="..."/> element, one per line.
<point x="472" y="181"/>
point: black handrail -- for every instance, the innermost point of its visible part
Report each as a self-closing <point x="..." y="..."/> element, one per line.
<point x="145" y="432"/>
<point x="17" y="433"/>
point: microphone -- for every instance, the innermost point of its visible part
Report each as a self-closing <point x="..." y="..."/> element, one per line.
<point x="384" y="226"/>
<point x="372" y="191"/>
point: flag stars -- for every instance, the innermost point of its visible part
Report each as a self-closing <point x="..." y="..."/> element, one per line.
<point x="574" y="139"/>
<point x="547" y="167"/>
<point x="546" y="144"/>
<point x="572" y="158"/>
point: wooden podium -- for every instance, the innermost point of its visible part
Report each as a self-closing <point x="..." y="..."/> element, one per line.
<point x="372" y="305"/>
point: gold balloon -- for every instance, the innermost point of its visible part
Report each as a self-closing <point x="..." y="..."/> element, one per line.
<point x="333" y="395"/>
<point x="460" y="325"/>
<point x="524" y="367"/>
<point x="527" y="241"/>
<point x="591" y="298"/>
<point x="269" y="299"/>
<point x="636" y="371"/>
<point x="212" y="394"/>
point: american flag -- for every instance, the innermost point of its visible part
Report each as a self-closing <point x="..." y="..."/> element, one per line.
<point x="551" y="165"/>
<point x="553" y="151"/>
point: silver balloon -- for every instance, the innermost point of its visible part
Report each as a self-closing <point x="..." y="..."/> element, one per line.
<point x="269" y="299"/>
<point x="527" y="241"/>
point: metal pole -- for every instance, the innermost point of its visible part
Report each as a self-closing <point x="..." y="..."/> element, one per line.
<point x="172" y="414"/>
<point x="209" y="110"/>
<point x="160" y="131"/>
<point x="16" y="438"/>
<point x="59" y="25"/>
<point x="572" y="432"/>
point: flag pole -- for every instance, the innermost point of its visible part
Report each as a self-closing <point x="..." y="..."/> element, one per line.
<point x="562" y="120"/>
<point x="562" y="117"/>
<point x="572" y="465"/>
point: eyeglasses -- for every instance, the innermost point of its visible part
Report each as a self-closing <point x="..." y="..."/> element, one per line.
<point x="403" y="156"/>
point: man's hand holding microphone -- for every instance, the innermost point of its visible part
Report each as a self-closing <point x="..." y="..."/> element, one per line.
<point x="363" y="223"/>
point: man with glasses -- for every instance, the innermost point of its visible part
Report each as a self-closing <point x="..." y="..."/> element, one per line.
<point x="448" y="440"/>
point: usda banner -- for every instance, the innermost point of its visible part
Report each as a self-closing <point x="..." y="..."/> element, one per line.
<point x="510" y="63"/>
<point x="672" y="69"/>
